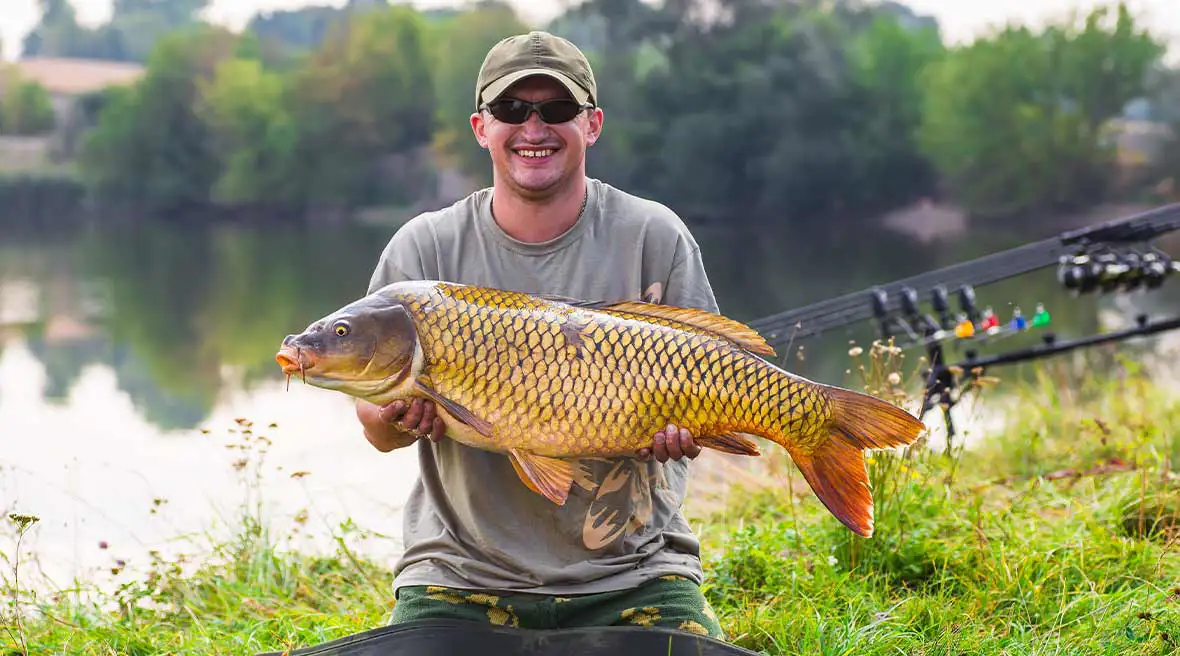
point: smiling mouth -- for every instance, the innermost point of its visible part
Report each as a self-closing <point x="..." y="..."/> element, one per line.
<point x="534" y="153"/>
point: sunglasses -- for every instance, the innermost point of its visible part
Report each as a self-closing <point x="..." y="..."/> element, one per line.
<point x="515" y="111"/>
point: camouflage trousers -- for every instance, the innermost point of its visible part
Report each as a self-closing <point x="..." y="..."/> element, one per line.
<point x="669" y="601"/>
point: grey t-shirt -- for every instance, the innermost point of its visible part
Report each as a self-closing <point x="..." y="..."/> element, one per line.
<point x="469" y="521"/>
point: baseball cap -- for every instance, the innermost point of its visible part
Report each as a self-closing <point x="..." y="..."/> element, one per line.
<point x="536" y="53"/>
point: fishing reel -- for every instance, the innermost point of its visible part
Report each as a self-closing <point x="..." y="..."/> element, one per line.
<point x="1109" y="271"/>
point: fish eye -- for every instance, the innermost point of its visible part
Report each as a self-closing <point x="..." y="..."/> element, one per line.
<point x="342" y="328"/>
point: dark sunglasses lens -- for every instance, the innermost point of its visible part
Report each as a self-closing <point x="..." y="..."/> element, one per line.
<point x="509" y="111"/>
<point x="559" y="111"/>
<point x="551" y="111"/>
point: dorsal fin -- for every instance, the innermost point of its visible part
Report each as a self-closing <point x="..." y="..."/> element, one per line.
<point x="716" y="324"/>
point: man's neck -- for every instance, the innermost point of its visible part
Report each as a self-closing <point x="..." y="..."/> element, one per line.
<point x="538" y="221"/>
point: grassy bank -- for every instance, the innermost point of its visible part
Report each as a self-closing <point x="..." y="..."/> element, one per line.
<point x="1058" y="535"/>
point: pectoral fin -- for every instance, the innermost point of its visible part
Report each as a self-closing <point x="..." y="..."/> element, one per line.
<point x="735" y="443"/>
<point x="455" y="409"/>
<point x="549" y="477"/>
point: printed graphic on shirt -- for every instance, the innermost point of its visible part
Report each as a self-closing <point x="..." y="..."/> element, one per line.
<point x="622" y="501"/>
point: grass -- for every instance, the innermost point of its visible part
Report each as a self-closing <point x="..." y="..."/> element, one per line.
<point x="1058" y="535"/>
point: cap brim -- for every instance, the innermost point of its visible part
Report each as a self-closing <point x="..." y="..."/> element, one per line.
<point x="497" y="87"/>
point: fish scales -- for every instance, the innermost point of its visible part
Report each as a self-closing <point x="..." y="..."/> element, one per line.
<point x="547" y="379"/>
<point x="610" y="380"/>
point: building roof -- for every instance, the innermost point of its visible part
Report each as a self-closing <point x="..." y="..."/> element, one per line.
<point x="62" y="75"/>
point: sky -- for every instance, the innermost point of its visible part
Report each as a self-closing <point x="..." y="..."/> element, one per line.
<point x="961" y="20"/>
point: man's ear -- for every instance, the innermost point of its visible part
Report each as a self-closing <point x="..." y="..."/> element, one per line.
<point x="594" y="125"/>
<point x="477" y="127"/>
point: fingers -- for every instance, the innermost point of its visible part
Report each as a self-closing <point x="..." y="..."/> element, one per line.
<point x="439" y="430"/>
<point x="674" y="437"/>
<point x="671" y="443"/>
<point x="418" y="416"/>
<point x="426" y="423"/>
<point x="391" y="412"/>
<point x="659" y="446"/>
<point x="413" y="415"/>
<point x="690" y="448"/>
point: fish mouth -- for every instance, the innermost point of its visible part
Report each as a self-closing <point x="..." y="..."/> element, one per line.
<point x="293" y="360"/>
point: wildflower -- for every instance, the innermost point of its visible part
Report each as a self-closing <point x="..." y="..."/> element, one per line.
<point x="895" y="378"/>
<point x="855" y="351"/>
<point x="23" y="521"/>
<point x="832" y="560"/>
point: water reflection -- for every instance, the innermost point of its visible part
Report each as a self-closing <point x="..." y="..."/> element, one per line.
<point x="118" y="344"/>
<point x="178" y="313"/>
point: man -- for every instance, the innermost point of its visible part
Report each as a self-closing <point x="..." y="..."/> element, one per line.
<point x="478" y="543"/>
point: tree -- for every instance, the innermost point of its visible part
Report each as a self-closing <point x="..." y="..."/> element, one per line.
<point x="253" y="133"/>
<point x="888" y="59"/>
<point x="150" y="148"/>
<point x="366" y="93"/>
<point x="1014" y="122"/>
<point x="25" y="108"/>
<point x="749" y="116"/>
<point x="459" y="44"/>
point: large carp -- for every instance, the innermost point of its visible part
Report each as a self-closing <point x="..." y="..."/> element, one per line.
<point x="544" y="379"/>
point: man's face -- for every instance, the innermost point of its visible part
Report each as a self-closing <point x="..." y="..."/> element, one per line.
<point x="514" y="148"/>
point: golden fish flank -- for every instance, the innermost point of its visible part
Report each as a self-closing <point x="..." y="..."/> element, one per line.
<point x="545" y="378"/>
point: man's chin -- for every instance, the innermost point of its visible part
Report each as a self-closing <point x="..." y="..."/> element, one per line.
<point x="537" y="184"/>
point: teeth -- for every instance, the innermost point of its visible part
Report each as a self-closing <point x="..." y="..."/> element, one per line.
<point x="535" y="153"/>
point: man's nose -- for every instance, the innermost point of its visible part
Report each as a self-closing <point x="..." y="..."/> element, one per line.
<point x="534" y="126"/>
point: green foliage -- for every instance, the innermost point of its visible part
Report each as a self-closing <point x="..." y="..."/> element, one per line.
<point x="888" y="59"/>
<point x="366" y="93"/>
<point x="1014" y="122"/>
<point x="802" y="111"/>
<point x="26" y="109"/>
<point x="459" y="44"/>
<point x="787" y="111"/>
<point x="253" y="132"/>
<point x="248" y="593"/>
<point x="150" y="148"/>
<point x="970" y="555"/>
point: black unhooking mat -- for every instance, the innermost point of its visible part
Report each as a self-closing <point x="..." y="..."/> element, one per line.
<point x="458" y="637"/>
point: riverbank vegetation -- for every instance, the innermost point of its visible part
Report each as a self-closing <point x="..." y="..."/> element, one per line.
<point x="1057" y="533"/>
<point x="783" y="112"/>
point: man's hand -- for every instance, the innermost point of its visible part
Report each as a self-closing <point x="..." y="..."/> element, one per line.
<point x="672" y="442"/>
<point x="399" y="424"/>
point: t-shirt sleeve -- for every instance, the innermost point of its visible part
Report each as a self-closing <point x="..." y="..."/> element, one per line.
<point x="400" y="260"/>
<point x="688" y="284"/>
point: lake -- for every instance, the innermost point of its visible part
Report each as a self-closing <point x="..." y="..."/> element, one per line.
<point x="137" y="372"/>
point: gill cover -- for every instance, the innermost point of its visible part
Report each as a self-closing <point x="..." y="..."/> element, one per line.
<point x="368" y="346"/>
<point x="385" y="330"/>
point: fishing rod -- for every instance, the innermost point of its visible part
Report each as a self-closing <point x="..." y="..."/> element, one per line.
<point x="1110" y="257"/>
<point x="819" y="317"/>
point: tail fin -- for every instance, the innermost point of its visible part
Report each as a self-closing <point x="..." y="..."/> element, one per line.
<point x="835" y="470"/>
